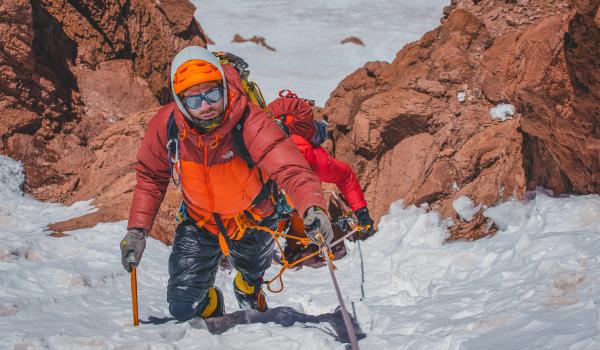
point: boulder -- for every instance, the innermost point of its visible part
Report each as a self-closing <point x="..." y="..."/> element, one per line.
<point x="421" y="127"/>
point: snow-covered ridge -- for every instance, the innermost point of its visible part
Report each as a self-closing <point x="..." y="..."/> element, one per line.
<point x="310" y="60"/>
<point x="533" y="285"/>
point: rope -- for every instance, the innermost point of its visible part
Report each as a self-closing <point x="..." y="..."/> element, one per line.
<point x="285" y="265"/>
<point x="304" y="241"/>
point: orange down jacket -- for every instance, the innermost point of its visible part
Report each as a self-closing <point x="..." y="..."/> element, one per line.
<point x="214" y="178"/>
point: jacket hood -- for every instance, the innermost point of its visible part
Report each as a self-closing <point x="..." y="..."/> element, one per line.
<point x="195" y="53"/>
<point x="234" y="97"/>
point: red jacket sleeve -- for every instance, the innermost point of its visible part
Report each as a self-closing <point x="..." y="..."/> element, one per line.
<point x="331" y="170"/>
<point x="275" y="154"/>
<point x="152" y="173"/>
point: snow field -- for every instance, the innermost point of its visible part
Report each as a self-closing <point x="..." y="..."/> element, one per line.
<point x="310" y="59"/>
<point x="533" y="285"/>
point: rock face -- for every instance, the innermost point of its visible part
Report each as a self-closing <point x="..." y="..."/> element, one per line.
<point x="420" y="128"/>
<point x="74" y="78"/>
<point x="81" y="79"/>
<point x="109" y="178"/>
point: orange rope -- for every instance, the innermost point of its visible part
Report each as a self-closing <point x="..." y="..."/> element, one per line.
<point x="285" y="265"/>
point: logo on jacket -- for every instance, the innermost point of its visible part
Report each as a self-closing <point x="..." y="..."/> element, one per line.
<point x="228" y="155"/>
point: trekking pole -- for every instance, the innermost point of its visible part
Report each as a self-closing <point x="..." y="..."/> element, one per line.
<point x="134" y="300"/>
<point x="349" y="327"/>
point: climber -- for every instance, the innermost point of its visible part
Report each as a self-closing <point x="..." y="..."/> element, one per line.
<point x="226" y="198"/>
<point x="295" y="115"/>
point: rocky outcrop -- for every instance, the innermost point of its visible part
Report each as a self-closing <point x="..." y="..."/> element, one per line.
<point x="71" y="69"/>
<point x="259" y="40"/>
<point x="108" y="176"/>
<point x="421" y="127"/>
<point x="429" y="127"/>
<point x="352" y="40"/>
<point x="78" y="81"/>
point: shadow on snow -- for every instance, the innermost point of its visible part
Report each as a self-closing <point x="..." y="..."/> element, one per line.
<point x="284" y="316"/>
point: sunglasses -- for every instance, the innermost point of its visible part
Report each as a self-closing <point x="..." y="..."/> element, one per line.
<point x="211" y="96"/>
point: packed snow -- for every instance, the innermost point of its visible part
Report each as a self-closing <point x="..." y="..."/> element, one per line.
<point x="533" y="285"/>
<point x="502" y="112"/>
<point x="310" y="59"/>
<point x="465" y="208"/>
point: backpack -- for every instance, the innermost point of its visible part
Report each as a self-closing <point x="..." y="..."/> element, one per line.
<point x="295" y="115"/>
<point x="249" y="86"/>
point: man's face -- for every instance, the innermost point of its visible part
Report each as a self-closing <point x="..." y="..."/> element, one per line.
<point x="206" y="110"/>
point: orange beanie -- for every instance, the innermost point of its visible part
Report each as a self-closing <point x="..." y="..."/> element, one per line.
<point x="194" y="72"/>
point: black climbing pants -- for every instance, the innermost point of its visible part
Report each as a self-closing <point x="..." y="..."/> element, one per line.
<point x="195" y="258"/>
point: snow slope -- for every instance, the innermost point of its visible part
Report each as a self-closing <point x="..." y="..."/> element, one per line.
<point x="534" y="285"/>
<point x="306" y="34"/>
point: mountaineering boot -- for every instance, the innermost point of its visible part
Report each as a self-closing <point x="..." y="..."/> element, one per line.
<point x="215" y="305"/>
<point x="249" y="296"/>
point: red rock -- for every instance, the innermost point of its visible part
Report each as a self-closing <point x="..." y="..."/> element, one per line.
<point x="108" y="177"/>
<point x="70" y="71"/>
<point x="259" y="40"/>
<point x="61" y="85"/>
<point x="548" y="70"/>
<point x="352" y="40"/>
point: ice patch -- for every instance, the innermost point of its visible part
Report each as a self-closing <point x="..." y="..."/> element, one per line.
<point x="19" y="213"/>
<point x="12" y="178"/>
<point x="502" y="112"/>
<point x="465" y="208"/>
<point x="461" y="96"/>
<point x="455" y="187"/>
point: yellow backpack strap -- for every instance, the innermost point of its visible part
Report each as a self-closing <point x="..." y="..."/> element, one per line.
<point x="254" y="93"/>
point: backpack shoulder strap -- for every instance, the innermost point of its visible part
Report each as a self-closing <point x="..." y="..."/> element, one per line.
<point x="238" y="139"/>
<point x="173" y="149"/>
<point x="172" y="129"/>
<point x="242" y="150"/>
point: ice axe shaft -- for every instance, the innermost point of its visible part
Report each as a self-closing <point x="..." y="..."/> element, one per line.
<point x="345" y="316"/>
<point x="134" y="301"/>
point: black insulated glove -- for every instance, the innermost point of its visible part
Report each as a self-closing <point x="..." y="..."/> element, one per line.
<point x="317" y="220"/>
<point x="132" y="248"/>
<point x="365" y="220"/>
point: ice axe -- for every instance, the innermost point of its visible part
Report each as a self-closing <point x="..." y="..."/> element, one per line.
<point x="134" y="301"/>
<point x="324" y="247"/>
